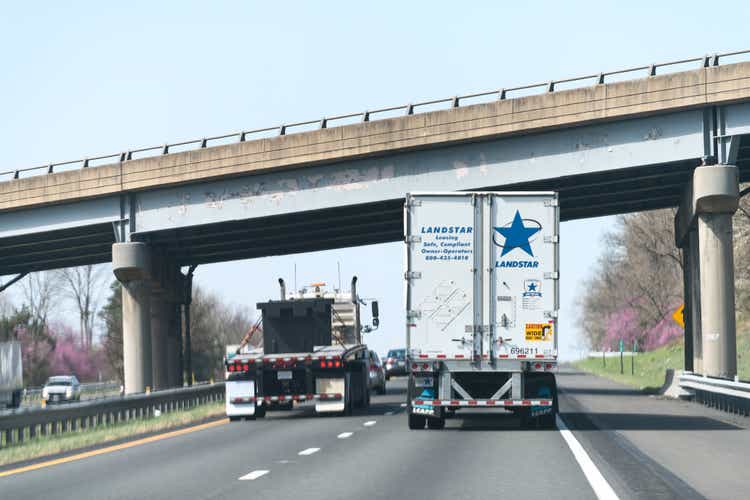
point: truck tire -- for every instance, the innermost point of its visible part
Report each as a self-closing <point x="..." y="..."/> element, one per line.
<point x="260" y="411"/>
<point x="416" y="421"/>
<point x="235" y="418"/>
<point x="436" y="423"/>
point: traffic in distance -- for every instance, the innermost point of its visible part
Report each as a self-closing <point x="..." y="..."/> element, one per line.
<point x="479" y="340"/>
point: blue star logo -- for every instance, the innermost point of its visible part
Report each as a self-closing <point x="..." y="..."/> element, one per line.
<point x="517" y="235"/>
<point x="532" y="287"/>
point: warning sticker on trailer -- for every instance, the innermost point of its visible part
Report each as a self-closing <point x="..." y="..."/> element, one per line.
<point x="538" y="332"/>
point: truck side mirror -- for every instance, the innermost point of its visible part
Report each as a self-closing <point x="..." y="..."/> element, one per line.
<point x="375" y="313"/>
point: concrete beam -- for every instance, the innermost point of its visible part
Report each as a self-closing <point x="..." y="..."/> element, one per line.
<point x="561" y="109"/>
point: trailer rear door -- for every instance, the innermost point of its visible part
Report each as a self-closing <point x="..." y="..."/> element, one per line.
<point x="524" y="243"/>
<point x="440" y="234"/>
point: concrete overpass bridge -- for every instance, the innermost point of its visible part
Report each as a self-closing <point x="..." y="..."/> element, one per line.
<point x="608" y="148"/>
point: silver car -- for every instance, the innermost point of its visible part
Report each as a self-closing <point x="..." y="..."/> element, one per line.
<point x="61" y="388"/>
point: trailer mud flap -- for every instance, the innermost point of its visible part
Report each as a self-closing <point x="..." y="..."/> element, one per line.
<point x="425" y="408"/>
<point x="240" y="398"/>
<point x="330" y="386"/>
<point x="544" y="392"/>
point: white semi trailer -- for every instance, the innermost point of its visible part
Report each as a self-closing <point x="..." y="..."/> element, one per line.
<point x="481" y="300"/>
<point x="11" y="374"/>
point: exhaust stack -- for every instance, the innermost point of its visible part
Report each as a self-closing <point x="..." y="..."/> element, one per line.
<point x="282" y="287"/>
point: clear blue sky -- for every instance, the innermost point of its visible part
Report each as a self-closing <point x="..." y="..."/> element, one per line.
<point x="94" y="77"/>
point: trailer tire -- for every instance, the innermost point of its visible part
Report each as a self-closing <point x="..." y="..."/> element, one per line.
<point x="260" y="411"/>
<point x="436" y="423"/>
<point x="235" y="418"/>
<point x="416" y="421"/>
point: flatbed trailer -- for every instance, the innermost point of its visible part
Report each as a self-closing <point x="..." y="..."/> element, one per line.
<point x="481" y="300"/>
<point x="290" y="369"/>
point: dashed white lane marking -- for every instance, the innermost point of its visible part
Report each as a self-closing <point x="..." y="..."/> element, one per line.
<point x="345" y="435"/>
<point x="254" y="475"/>
<point x="403" y="405"/>
<point x="601" y="487"/>
<point x="388" y="413"/>
<point x="309" y="451"/>
<point x="369" y="423"/>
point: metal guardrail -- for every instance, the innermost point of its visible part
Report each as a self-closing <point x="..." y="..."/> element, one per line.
<point x="366" y="116"/>
<point x="26" y="424"/>
<point x="726" y="395"/>
<point x="34" y="394"/>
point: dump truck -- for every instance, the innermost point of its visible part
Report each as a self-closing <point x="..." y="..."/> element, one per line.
<point x="482" y="300"/>
<point x="312" y="353"/>
<point x="11" y="374"/>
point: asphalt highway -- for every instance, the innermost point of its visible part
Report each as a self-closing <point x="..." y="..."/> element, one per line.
<point x="613" y="448"/>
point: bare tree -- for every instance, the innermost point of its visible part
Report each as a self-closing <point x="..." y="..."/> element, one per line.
<point x="82" y="285"/>
<point x="40" y="292"/>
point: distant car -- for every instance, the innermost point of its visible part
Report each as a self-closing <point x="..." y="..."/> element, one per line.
<point x="377" y="374"/>
<point x="395" y="363"/>
<point x="61" y="388"/>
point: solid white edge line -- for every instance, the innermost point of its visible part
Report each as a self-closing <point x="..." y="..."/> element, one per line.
<point x="308" y="451"/>
<point x="601" y="487"/>
<point x="254" y="475"/>
<point x="345" y="435"/>
<point x="370" y="423"/>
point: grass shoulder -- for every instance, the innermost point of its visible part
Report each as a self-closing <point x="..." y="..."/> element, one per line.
<point x="68" y="442"/>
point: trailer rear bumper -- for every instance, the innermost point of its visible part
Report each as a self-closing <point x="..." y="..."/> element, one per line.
<point x="473" y="403"/>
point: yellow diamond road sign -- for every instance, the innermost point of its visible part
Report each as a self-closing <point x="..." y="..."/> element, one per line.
<point x="679" y="317"/>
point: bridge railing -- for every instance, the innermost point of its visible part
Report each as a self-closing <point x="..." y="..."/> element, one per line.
<point x="26" y="424"/>
<point x="368" y="115"/>
<point x="725" y="395"/>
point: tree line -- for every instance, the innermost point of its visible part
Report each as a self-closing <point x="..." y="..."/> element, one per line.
<point x="91" y="348"/>
<point x="637" y="282"/>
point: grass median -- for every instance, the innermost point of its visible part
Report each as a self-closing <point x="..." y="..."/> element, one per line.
<point x="52" y="445"/>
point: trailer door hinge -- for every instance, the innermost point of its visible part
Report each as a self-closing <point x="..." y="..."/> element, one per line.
<point x="550" y="314"/>
<point x="412" y="275"/>
<point x="552" y="203"/>
<point x="411" y="202"/>
<point x="477" y="328"/>
<point x="413" y="238"/>
<point x="552" y="276"/>
<point x="552" y="239"/>
<point x="414" y="314"/>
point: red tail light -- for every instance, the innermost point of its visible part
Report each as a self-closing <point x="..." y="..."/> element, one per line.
<point x="322" y="364"/>
<point x="231" y="368"/>
<point x="246" y="367"/>
<point x="337" y="364"/>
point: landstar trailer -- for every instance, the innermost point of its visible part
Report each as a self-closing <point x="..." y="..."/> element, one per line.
<point x="312" y="353"/>
<point x="481" y="304"/>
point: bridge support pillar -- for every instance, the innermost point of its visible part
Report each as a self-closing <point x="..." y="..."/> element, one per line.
<point x="159" y="344"/>
<point x="703" y="229"/>
<point x="131" y="265"/>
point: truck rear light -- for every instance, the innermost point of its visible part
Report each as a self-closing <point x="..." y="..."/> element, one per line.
<point x="230" y="368"/>
<point x="337" y="364"/>
<point x="548" y="366"/>
<point x="414" y="366"/>
<point x="246" y="367"/>
<point x="538" y="366"/>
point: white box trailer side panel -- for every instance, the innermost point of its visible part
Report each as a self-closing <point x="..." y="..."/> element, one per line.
<point x="524" y="291"/>
<point x="484" y="263"/>
<point x="11" y="367"/>
<point x="440" y="274"/>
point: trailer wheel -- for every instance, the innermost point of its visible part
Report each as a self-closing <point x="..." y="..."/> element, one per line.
<point x="436" y="423"/>
<point x="416" y="421"/>
<point x="235" y="418"/>
<point x="260" y="411"/>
